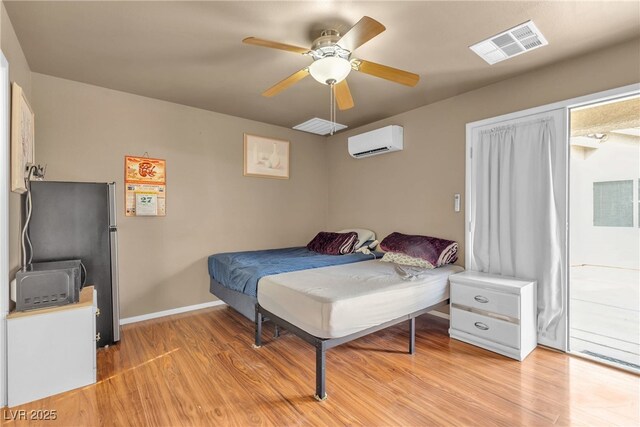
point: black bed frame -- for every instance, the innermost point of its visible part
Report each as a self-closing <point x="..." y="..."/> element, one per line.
<point x="248" y="306"/>
<point x="242" y="303"/>
<point x="323" y="344"/>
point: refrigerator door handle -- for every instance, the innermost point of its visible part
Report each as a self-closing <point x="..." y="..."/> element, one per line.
<point x="113" y="241"/>
<point x="113" y="212"/>
<point x="115" y="292"/>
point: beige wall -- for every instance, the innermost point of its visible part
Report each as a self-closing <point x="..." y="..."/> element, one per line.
<point x="84" y="132"/>
<point x="412" y="190"/>
<point x="20" y="73"/>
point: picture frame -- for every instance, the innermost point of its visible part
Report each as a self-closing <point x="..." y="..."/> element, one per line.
<point x="266" y="157"/>
<point x="22" y="138"/>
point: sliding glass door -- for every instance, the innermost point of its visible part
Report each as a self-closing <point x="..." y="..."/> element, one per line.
<point x="604" y="254"/>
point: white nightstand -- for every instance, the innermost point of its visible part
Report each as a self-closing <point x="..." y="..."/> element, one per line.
<point x="51" y="350"/>
<point x="494" y="312"/>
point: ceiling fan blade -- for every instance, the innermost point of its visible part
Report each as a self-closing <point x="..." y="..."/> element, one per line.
<point x="364" y="30"/>
<point x="343" y="95"/>
<point x="275" y="45"/>
<point x="289" y="81"/>
<point x="384" y="72"/>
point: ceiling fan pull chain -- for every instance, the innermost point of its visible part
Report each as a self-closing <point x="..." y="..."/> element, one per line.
<point x="335" y="109"/>
<point x="332" y="107"/>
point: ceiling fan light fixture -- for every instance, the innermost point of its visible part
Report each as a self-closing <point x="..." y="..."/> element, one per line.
<point x="330" y="70"/>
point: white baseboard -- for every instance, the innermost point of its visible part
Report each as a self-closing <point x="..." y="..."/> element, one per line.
<point x="164" y="313"/>
<point x="440" y="314"/>
<point x="188" y="308"/>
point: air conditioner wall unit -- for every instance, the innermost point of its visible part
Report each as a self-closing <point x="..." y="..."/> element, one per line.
<point x="379" y="141"/>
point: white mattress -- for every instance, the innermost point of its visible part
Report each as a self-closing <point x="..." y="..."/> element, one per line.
<point x="332" y="302"/>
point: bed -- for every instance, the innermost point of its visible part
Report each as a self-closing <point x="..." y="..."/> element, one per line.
<point x="235" y="275"/>
<point x="332" y="305"/>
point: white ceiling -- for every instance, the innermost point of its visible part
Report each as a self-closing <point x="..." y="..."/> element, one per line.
<point x="191" y="52"/>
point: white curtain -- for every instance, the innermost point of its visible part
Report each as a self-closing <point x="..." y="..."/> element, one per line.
<point x="518" y="213"/>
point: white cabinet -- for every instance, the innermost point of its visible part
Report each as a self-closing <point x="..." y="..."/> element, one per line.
<point x="51" y="350"/>
<point x="494" y="312"/>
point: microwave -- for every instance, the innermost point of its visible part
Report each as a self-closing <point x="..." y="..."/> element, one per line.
<point x="48" y="284"/>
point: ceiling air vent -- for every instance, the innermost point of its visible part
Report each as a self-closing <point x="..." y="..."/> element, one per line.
<point x="319" y="126"/>
<point x="513" y="42"/>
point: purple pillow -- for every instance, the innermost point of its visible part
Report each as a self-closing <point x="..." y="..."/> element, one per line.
<point x="333" y="243"/>
<point x="436" y="251"/>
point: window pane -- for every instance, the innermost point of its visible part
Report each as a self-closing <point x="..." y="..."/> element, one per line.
<point x="613" y="204"/>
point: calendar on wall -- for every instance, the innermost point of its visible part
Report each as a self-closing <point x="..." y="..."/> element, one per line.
<point x="145" y="186"/>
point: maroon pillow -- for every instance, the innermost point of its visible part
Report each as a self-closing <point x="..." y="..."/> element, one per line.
<point x="333" y="243"/>
<point x="431" y="249"/>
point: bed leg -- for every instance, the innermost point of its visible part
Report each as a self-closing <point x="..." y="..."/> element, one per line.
<point x="412" y="335"/>
<point x="321" y="393"/>
<point x="276" y="332"/>
<point x="258" y="342"/>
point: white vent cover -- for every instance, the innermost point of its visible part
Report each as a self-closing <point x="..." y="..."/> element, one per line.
<point x="513" y="42"/>
<point x="319" y="126"/>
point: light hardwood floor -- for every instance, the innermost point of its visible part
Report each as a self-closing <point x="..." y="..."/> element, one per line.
<point x="200" y="369"/>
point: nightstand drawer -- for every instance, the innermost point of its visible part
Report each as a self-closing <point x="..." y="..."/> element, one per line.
<point x="495" y="330"/>
<point x="487" y="300"/>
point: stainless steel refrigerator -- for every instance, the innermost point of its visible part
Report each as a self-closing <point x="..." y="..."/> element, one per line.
<point x="77" y="220"/>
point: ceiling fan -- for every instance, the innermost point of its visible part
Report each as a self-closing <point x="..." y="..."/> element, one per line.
<point x="332" y="61"/>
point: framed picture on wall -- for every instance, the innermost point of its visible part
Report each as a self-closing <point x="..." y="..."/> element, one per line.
<point x="22" y="138"/>
<point x="266" y="157"/>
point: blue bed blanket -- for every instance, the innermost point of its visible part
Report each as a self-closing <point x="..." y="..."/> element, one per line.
<point x="241" y="271"/>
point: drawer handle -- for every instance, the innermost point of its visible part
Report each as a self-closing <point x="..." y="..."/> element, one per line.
<point x="481" y="299"/>
<point x="481" y="326"/>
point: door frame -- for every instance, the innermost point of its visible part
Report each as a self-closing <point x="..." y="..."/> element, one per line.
<point x="4" y="221"/>
<point x="566" y="105"/>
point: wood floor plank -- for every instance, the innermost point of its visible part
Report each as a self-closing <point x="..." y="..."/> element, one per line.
<point x="201" y="369"/>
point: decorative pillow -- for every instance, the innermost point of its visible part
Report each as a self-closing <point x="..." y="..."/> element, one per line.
<point x="436" y="251"/>
<point x="333" y="243"/>
<point x="403" y="259"/>
<point x="363" y="235"/>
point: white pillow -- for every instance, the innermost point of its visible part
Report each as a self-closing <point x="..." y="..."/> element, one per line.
<point x="363" y="235"/>
<point x="403" y="259"/>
